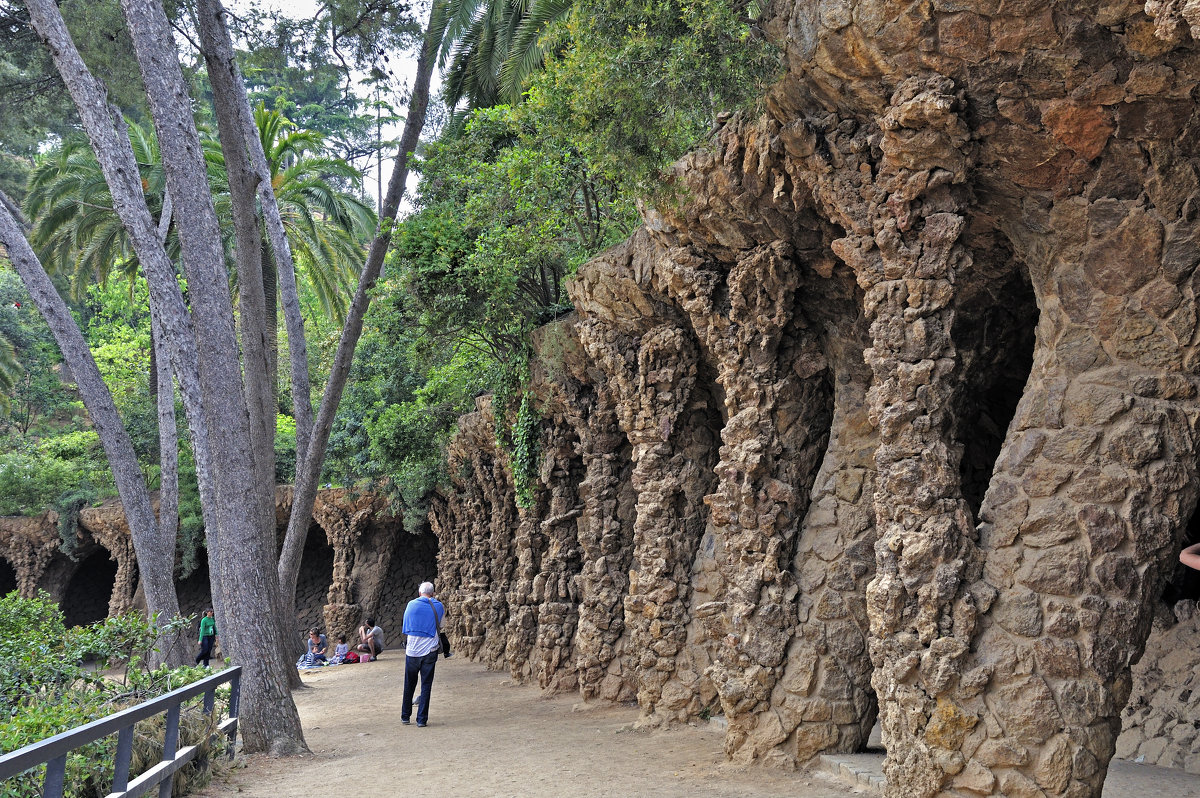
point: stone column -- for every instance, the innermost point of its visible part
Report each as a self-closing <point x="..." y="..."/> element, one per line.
<point x="343" y="614"/>
<point x="1088" y="502"/>
<point x="108" y="527"/>
<point x="476" y="555"/>
<point x="651" y="380"/>
<point x="776" y="408"/>
<point x="29" y="544"/>
<point x="606" y="548"/>
<point x="922" y="620"/>
<point x="824" y="700"/>
<point x="555" y="587"/>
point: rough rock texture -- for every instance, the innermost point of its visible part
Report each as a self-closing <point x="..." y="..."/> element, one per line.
<point x="1161" y="723"/>
<point x="28" y="545"/>
<point x="898" y="408"/>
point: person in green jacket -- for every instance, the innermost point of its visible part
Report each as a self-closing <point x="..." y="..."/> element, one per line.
<point x="208" y="637"/>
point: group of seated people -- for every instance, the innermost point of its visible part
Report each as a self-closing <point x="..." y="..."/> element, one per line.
<point x="369" y="646"/>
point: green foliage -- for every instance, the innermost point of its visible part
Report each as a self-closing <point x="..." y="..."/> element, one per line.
<point x="400" y="407"/>
<point x="635" y="83"/>
<point x="53" y="679"/>
<point x="524" y="451"/>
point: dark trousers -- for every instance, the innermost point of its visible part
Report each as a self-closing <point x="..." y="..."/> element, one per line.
<point x="414" y="667"/>
<point x="206" y="646"/>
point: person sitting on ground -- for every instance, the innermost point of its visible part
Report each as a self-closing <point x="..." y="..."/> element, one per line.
<point x="370" y="639"/>
<point x="340" y="651"/>
<point x="317" y="644"/>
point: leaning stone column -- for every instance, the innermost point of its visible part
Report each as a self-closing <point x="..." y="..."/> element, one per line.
<point x="652" y="378"/>
<point x="29" y="544"/>
<point x="824" y="700"/>
<point x="1088" y="503"/>
<point x="342" y="613"/>
<point x="606" y="547"/>
<point x="775" y="385"/>
<point x="555" y="586"/>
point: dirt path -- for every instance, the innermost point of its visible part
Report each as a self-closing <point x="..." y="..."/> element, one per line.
<point x="489" y="738"/>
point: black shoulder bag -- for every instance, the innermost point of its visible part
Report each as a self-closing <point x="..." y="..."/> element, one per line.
<point x="443" y="641"/>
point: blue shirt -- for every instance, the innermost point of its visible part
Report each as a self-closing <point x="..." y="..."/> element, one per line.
<point x="420" y="618"/>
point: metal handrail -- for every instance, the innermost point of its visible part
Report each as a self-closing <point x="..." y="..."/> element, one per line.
<point x="53" y="750"/>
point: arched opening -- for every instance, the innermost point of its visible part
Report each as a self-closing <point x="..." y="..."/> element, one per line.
<point x="996" y="344"/>
<point x="316" y="574"/>
<point x="89" y="590"/>
<point x="8" y="578"/>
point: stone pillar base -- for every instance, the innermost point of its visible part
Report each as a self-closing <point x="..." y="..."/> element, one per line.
<point x="343" y="619"/>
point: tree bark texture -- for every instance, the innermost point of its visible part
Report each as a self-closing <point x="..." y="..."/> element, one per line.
<point x="241" y="545"/>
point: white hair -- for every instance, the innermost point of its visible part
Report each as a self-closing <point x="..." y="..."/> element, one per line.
<point x="426" y="589"/>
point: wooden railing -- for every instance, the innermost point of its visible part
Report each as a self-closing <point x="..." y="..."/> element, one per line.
<point x="53" y="750"/>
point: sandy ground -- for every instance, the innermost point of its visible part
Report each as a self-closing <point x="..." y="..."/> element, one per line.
<point x="489" y="738"/>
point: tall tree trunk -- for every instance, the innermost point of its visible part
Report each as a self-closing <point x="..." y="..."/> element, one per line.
<point x="156" y="556"/>
<point x="241" y="549"/>
<point x="308" y="470"/>
<point x="220" y="49"/>
<point x="243" y="182"/>
<point x="239" y="141"/>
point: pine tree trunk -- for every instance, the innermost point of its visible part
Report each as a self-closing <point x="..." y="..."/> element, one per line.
<point x="115" y="155"/>
<point x="241" y="546"/>
<point x="239" y="141"/>
<point x="156" y="557"/>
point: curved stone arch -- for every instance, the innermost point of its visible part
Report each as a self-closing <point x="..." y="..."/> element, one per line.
<point x="106" y="525"/>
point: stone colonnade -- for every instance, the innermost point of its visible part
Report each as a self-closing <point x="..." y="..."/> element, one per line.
<point x="893" y="412"/>
<point x="364" y="535"/>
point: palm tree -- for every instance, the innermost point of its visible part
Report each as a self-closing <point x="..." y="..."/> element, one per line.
<point x="494" y="47"/>
<point x="76" y="231"/>
<point x="325" y="226"/>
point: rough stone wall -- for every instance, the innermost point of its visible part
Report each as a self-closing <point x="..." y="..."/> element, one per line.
<point x="923" y="337"/>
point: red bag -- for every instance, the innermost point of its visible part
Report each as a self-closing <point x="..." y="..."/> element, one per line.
<point x="351" y="657"/>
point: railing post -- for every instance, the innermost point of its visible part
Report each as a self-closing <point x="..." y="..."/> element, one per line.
<point x="124" y="755"/>
<point x="170" y="748"/>
<point x="235" y="699"/>
<point x="56" y="771"/>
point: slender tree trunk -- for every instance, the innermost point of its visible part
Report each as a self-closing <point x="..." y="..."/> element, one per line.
<point x="308" y="470"/>
<point x="241" y="549"/>
<point x="156" y="557"/>
<point x="220" y="49"/>
<point x="243" y="183"/>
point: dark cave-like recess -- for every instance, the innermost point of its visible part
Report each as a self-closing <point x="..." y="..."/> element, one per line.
<point x="8" y="578"/>
<point x="89" y="590"/>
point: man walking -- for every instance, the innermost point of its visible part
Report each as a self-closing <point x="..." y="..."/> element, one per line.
<point x="422" y="620"/>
